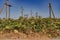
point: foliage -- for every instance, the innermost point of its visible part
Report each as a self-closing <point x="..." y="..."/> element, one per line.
<point x="25" y="25"/>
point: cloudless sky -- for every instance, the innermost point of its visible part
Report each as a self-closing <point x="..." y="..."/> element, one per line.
<point x="40" y="6"/>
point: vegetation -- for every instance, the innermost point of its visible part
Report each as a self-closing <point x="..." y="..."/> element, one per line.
<point x="48" y="26"/>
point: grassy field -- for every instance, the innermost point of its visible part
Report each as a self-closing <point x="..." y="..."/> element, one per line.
<point x="30" y="27"/>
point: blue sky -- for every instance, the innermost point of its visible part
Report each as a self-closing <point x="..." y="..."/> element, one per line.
<point x="40" y="6"/>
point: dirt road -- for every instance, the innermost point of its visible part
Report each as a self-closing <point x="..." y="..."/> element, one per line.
<point x="21" y="36"/>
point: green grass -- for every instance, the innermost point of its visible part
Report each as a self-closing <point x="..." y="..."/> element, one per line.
<point x="25" y="25"/>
